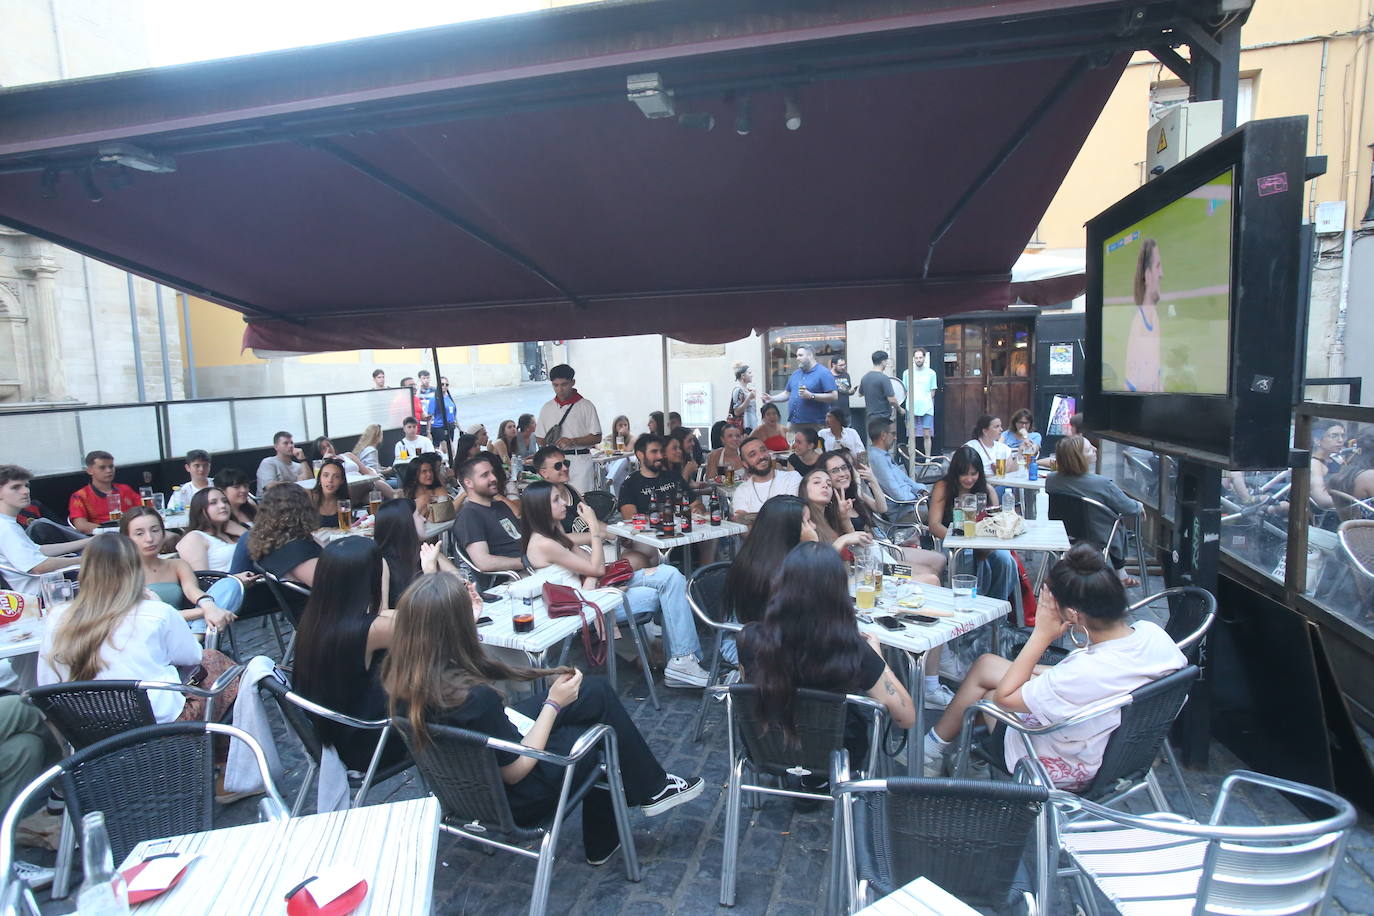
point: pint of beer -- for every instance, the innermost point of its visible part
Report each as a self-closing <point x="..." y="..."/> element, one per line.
<point x="345" y="514"/>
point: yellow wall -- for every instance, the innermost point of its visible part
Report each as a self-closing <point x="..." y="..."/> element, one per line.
<point x="217" y="335"/>
<point x="1287" y="80"/>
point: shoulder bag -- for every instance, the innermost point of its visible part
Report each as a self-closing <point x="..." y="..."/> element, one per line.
<point x="565" y="601"/>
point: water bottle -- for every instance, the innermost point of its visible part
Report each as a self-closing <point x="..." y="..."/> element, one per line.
<point x="517" y="467"/>
<point x="1008" y="500"/>
<point x="1032" y="469"/>
<point x="103" y="891"/>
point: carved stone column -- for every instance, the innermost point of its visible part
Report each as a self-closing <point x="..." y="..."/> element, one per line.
<point x="43" y="268"/>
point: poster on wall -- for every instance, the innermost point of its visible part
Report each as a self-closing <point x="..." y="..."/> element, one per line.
<point x="1061" y="408"/>
<point x="1061" y="359"/>
<point x="696" y="404"/>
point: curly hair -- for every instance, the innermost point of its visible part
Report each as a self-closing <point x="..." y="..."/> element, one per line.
<point x="285" y="514"/>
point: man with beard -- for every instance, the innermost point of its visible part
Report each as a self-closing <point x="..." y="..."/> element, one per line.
<point x="652" y="479"/>
<point x="486" y="527"/>
<point x="764" y="481"/>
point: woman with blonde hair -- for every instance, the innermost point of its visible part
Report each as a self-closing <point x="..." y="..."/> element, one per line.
<point x="437" y="673"/>
<point x="112" y="630"/>
<point x="1075" y="478"/>
<point x="367" y="449"/>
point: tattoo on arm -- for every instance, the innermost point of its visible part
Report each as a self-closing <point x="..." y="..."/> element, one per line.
<point x="887" y="682"/>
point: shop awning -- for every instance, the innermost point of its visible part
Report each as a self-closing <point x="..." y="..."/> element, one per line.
<point x="491" y="181"/>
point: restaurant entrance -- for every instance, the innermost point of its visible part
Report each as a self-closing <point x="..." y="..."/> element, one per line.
<point x="987" y="369"/>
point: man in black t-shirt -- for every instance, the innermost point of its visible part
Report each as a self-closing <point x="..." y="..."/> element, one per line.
<point x="487" y="529"/>
<point x="652" y="478"/>
<point x="553" y="466"/>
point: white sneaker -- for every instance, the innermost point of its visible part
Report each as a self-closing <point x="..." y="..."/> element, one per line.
<point x="938" y="698"/>
<point x="35" y="876"/>
<point x="685" y="671"/>
<point x="934" y="762"/>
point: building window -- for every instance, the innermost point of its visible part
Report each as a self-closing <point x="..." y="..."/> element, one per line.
<point x="826" y="340"/>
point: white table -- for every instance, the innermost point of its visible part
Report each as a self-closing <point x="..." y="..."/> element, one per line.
<point x="249" y="869"/>
<point x="1020" y="482"/>
<point x="548" y="631"/>
<point x="23" y="637"/>
<point x="1047" y="535"/>
<point x="916" y="639"/>
<point x="176" y="520"/>
<point x="921" y="897"/>
<point x="702" y="531"/>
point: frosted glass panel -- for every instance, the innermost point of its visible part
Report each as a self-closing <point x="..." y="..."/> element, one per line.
<point x="314" y="418"/>
<point x="259" y="419"/>
<point x="350" y="413"/>
<point x="128" y="433"/>
<point x="43" y="443"/>
<point x="200" y="424"/>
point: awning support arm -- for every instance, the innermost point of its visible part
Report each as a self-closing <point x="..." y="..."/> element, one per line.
<point x="1073" y="75"/>
<point x="439" y="210"/>
<point x="1176" y="63"/>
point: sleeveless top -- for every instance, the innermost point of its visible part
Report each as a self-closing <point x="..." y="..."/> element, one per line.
<point x="219" y="554"/>
<point x="169" y="593"/>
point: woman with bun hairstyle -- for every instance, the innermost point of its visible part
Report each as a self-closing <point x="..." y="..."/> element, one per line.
<point x="1085" y="599"/>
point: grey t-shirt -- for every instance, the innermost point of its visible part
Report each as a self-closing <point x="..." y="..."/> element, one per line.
<point x="876" y="389"/>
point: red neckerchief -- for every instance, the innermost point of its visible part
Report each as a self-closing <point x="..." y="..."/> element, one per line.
<point x="572" y="400"/>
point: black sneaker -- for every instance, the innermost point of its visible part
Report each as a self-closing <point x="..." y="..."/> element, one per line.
<point x="674" y="792"/>
<point x="598" y="860"/>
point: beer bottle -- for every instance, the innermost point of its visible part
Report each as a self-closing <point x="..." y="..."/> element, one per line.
<point x="653" y="512"/>
<point x="715" y="510"/>
<point x="686" y="515"/>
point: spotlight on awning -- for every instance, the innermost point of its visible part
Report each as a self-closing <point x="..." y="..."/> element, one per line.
<point x="647" y="92"/>
<point x="135" y="157"/>
<point x="697" y="120"/>
<point x="93" y="192"/>
<point x="744" y="122"/>
<point x="791" y="112"/>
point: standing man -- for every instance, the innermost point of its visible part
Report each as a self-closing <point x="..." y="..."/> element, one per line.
<point x="425" y="395"/>
<point x="446" y="419"/>
<point x="286" y="464"/>
<point x="876" y="388"/>
<point x="569" y="421"/>
<point x="89" y="507"/>
<point x="417" y="407"/>
<point x="920" y="384"/>
<point x="839" y="367"/>
<point x="809" y="392"/>
<point x="378" y="378"/>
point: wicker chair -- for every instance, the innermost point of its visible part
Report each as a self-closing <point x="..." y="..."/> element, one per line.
<point x="296" y="710"/>
<point x="1160" y="862"/>
<point x="758" y="750"/>
<point x="968" y="836"/>
<point x="460" y="768"/>
<point x="1357" y="543"/>
<point x="150" y="782"/>
<point x="706" y="595"/>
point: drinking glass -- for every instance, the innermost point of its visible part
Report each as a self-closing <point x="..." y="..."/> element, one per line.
<point x="160" y="502"/>
<point x="965" y="590"/>
<point x="345" y="514"/>
<point x="116" y="507"/>
<point x="145" y="495"/>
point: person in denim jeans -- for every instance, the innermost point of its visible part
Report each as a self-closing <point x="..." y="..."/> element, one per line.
<point x="895" y="482"/>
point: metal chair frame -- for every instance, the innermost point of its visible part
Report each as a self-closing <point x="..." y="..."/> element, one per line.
<point x="271" y="806"/>
<point x="742" y="761"/>
<point x="1244" y="862"/>
<point x="461" y="556"/>
<point x="280" y="589"/>
<point x="607" y="774"/>
<point x="1121" y="524"/>
<point x="719" y="630"/>
<point x="848" y="793"/>
<point x="289" y="702"/>
<point x="911" y="527"/>
<point x="135" y="712"/>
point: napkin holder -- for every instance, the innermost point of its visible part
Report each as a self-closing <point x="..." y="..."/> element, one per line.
<point x="332" y="892"/>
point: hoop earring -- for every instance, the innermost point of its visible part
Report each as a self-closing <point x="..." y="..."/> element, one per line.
<point x="1073" y="636"/>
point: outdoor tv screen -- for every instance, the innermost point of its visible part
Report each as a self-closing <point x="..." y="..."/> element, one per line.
<point x="1166" y="296"/>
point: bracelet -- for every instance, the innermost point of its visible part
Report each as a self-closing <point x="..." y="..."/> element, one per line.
<point x="203" y="598"/>
<point x="556" y="708"/>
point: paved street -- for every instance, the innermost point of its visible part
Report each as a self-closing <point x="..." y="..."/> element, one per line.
<point x="490" y="406"/>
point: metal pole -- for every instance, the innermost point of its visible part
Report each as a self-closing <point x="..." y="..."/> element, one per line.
<point x="910" y="420"/>
<point x="190" y="347"/>
<point x="663" y="340"/>
<point x="441" y="409"/>
<point x="133" y="331"/>
<point x="162" y="342"/>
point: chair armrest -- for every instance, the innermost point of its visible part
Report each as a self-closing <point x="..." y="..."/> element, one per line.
<point x="325" y="712"/>
<point x="215" y="689"/>
<point x="211" y="574"/>
<point x="584" y="743"/>
<point x="1012" y="721"/>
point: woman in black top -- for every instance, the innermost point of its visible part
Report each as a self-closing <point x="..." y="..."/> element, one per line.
<point x="806" y="450"/>
<point x="340" y="644"/>
<point x="424" y="481"/>
<point x="282" y="540"/>
<point x="398" y="531"/>
<point x="331" y="485"/>
<point x="809" y="637"/>
<point x="437" y="673"/>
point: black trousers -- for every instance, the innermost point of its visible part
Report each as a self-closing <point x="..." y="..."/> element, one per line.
<point x="535" y="797"/>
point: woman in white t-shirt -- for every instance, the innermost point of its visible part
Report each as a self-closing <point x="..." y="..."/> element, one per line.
<point x="114" y="630"/>
<point x="1114" y="656"/>
<point x="987" y="442"/>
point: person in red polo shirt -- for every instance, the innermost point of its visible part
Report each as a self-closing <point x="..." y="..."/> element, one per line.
<point x="89" y="507"/>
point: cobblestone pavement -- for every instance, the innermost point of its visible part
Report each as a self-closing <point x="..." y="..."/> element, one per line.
<point x="783" y="853"/>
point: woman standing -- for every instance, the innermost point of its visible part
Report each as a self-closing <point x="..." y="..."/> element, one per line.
<point x="987" y="443"/>
<point x="1075" y="478"/>
<point x="726" y="460"/>
<point x="996" y="570"/>
<point x="770" y="429"/>
<point x="113" y="631"/>
<point x="437" y="673"/>
<point x="236" y="485"/>
<point x="174" y="581"/>
<point x="744" y="401"/>
<point x="331" y="485"/>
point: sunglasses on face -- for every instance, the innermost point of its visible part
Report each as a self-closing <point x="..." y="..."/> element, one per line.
<point x="559" y="465"/>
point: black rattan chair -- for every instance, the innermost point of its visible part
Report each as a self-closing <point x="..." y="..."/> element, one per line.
<point x="460" y="769"/>
<point x="970" y="837"/>
<point x="150" y="782"/>
<point x="296" y="710"/>
<point x="706" y="595"/>
<point x="760" y="750"/>
<point x="1076" y="513"/>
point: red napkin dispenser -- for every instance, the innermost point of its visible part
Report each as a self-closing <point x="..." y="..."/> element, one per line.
<point x="332" y="892"/>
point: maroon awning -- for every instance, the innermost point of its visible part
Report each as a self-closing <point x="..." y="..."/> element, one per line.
<point x="491" y="182"/>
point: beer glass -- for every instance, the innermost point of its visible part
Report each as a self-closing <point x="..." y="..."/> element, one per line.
<point x="345" y="514"/>
<point x="145" y="495"/>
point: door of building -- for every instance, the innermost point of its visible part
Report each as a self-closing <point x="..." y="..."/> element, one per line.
<point x="988" y="369"/>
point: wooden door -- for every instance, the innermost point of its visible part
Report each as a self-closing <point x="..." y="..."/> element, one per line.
<point x="987" y="370"/>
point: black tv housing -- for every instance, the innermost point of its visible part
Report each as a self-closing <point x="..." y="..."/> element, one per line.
<point x="1248" y="428"/>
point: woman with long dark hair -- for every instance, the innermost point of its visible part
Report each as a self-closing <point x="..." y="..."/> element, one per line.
<point x="986" y="442"/>
<point x="656" y="422"/>
<point x="782" y="524"/>
<point x="438" y="674"/>
<point x="996" y="570"/>
<point x="830" y="513"/>
<point x="865" y="499"/>
<point x="340" y="643"/>
<point x="809" y="637"/>
<point x="237" y="487"/>
<point x="1113" y="656"/>
<point x="525" y="442"/>
<point x="770" y="428"/>
<point x="208" y="543"/>
<point x="504" y="443"/>
<point x="397" y="533"/>
<point x="1356" y="478"/>
<point x="331" y="485"/>
<point x="424" y="481"/>
<point x="465" y="448"/>
<point x="806" y="450"/>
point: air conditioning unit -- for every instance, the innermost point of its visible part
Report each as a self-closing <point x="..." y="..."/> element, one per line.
<point x="1184" y="130"/>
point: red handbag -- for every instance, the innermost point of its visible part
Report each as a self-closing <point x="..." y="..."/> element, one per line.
<point x="617" y="573"/>
<point x="565" y="601"/>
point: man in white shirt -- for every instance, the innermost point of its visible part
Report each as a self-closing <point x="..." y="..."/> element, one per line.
<point x="764" y="481"/>
<point x="286" y="464"/>
<point x="198" y="466"/>
<point x="570" y="422"/>
<point x="412" y="443"/>
<point x="920" y="384"/>
<point x="836" y="434"/>
<point x="22" y="562"/>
